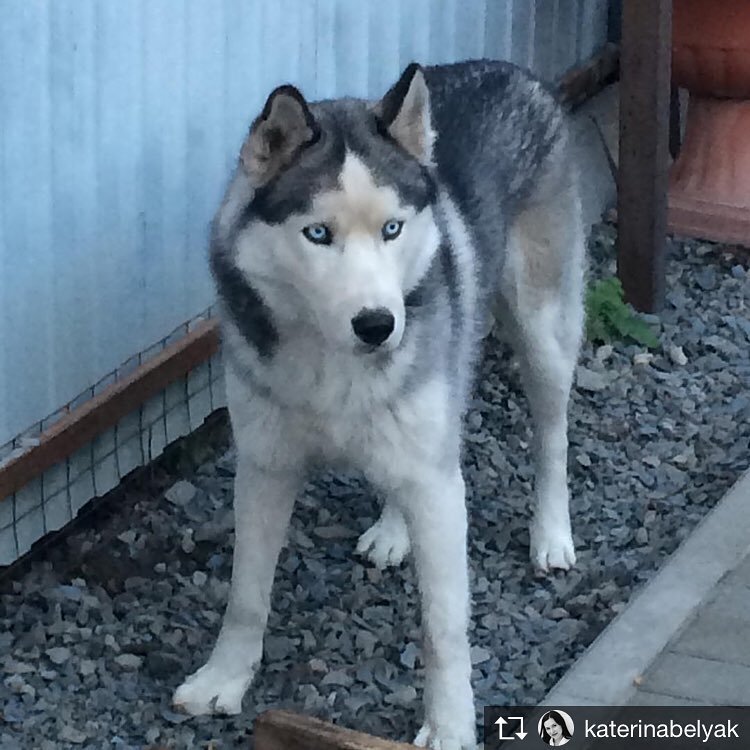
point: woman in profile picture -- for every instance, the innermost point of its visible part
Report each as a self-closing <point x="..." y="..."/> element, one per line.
<point x="554" y="729"/>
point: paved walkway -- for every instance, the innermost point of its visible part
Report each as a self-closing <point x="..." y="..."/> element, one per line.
<point x="708" y="659"/>
<point x="684" y="639"/>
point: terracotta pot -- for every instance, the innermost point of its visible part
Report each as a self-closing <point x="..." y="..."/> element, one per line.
<point x="711" y="47"/>
<point x="710" y="181"/>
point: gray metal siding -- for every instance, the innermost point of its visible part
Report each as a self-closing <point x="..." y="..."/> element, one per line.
<point x="119" y="121"/>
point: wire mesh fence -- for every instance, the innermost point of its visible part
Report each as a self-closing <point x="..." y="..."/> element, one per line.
<point x="55" y="497"/>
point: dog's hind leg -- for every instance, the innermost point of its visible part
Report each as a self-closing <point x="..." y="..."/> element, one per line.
<point x="386" y="542"/>
<point x="547" y="372"/>
<point x="543" y="302"/>
<point x="263" y="502"/>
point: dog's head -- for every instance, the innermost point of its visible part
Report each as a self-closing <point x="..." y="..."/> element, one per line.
<point x="332" y="224"/>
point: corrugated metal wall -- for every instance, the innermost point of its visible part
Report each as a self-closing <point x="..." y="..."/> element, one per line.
<point x="119" y="122"/>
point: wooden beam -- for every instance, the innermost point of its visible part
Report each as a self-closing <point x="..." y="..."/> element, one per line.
<point x="645" y="71"/>
<point x="584" y="81"/>
<point x="102" y="412"/>
<point x="675" y="123"/>
<point x="284" y="730"/>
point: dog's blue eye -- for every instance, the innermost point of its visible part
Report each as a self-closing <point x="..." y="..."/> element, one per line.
<point x="319" y="234"/>
<point x="391" y="229"/>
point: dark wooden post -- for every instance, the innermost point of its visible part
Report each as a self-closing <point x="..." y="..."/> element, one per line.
<point x="645" y="71"/>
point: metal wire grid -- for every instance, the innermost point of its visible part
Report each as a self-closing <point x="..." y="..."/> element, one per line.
<point x="54" y="498"/>
<point x="30" y="437"/>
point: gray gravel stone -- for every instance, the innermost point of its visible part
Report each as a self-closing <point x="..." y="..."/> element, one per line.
<point x="199" y="578"/>
<point x="180" y="493"/>
<point x="479" y="655"/>
<point x="589" y="380"/>
<point x="58" y="654"/>
<point x="129" y="661"/>
<point x="337" y="677"/>
<point x="128" y="537"/>
<point x="71" y="734"/>
<point x="404" y="696"/>
<point x="409" y="655"/>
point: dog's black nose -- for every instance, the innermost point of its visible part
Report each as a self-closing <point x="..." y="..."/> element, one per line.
<point x="373" y="326"/>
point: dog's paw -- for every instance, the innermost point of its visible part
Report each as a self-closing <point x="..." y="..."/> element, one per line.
<point x="445" y="737"/>
<point x="212" y="690"/>
<point x="552" y="547"/>
<point x="386" y="542"/>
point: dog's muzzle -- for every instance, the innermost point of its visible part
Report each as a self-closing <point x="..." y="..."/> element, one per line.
<point x="373" y="326"/>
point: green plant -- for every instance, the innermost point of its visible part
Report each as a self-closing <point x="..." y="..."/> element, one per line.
<point x="608" y="317"/>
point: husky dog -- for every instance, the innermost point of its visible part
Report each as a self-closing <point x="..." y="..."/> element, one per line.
<point x="358" y="253"/>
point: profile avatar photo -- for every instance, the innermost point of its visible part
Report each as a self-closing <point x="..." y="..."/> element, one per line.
<point x="556" y="728"/>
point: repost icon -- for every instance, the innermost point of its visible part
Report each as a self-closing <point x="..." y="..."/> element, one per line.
<point x="501" y="722"/>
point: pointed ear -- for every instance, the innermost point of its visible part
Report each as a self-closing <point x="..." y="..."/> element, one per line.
<point x="405" y="113"/>
<point x="283" y="127"/>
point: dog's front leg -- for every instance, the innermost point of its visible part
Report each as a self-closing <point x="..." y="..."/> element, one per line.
<point x="263" y="503"/>
<point x="435" y="512"/>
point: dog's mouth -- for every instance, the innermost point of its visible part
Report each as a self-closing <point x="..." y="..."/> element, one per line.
<point x="379" y="354"/>
<point x="370" y="350"/>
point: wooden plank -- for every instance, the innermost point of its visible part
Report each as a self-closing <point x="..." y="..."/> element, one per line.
<point x="645" y="70"/>
<point x="586" y="80"/>
<point x="284" y="730"/>
<point x="102" y="412"/>
<point x="675" y="123"/>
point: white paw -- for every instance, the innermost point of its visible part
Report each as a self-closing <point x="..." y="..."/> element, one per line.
<point x="552" y="546"/>
<point x="213" y="690"/>
<point x="446" y="737"/>
<point x="386" y="542"/>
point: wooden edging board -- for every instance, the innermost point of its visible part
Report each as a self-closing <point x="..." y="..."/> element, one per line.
<point x="104" y="411"/>
<point x="285" y="730"/>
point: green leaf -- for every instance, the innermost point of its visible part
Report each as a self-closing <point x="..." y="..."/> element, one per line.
<point x="608" y="317"/>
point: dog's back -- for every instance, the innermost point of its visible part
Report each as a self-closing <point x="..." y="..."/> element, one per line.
<point x="495" y="126"/>
<point x="500" y="133"/>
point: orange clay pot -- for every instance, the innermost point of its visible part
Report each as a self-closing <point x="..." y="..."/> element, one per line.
<point x="709" y="193"/>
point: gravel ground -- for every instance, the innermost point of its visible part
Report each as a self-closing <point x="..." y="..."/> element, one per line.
<point x="98" y="630"/>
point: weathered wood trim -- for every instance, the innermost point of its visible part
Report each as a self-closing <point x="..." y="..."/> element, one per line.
<point x="284" y="730"/>
<point x="581" y="83"/>
<point x="102" y="412"/>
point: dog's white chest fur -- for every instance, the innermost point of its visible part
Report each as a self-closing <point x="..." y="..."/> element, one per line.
<point x="343" y="409"/>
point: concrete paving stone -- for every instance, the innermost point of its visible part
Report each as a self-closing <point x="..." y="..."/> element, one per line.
<point x="741" y="574"/>
<point x="712" y="682"/>
<point x="721" y="630"/>
<point x="731" y="598"/>
<point x="572" y="699"/>
<point x="715" y="638"/>
<point x="646" y="698"/>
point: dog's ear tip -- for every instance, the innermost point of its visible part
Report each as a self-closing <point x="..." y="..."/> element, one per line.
<point x="404" y="112"/>
<point x="287" y="91"/>
<point x="285" y="125"/>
